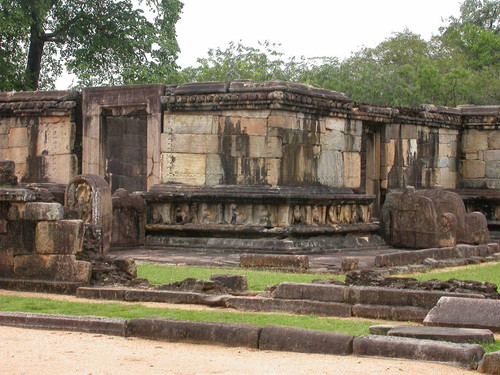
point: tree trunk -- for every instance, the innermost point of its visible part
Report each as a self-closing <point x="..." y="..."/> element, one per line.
<point x="34" y="59"/>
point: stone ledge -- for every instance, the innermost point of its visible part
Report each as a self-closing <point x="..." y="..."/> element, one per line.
<point x="166" y="296"/>
<point x="490" y="363"/>
<point x="304" y="340"/>
<point x="227" y="334"/>
<point x="457" y="335"/>
<point x="422" y="350"/>
<point x="58" y="287"/>
<point x="399" y="313"/>
<point x="90" y="324"/>
<point x="273" y="261"/>
<point x="290" y="306"/>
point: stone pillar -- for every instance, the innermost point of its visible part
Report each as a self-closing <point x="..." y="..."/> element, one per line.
<point x="88" y="197"/>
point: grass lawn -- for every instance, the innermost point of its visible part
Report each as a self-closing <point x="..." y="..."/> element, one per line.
<point x="257" y="280"/>
<point x="137" y="310"/>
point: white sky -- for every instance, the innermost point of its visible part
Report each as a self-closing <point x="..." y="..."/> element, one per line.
<point x="309" y="28"/>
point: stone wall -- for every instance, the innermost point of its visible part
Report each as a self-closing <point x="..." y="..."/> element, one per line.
<point x="38" y="132"/>
<point x="260" y="147"/>
<point x="271" y="133"/>
<point x="480" y="148"/>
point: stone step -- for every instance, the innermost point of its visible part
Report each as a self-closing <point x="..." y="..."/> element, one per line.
<point x="415" y="349"/>
<point x="458" y="335"/>
<point x="466" y="313"/>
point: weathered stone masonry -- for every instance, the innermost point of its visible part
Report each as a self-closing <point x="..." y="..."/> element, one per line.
<point x="246" y="135"/>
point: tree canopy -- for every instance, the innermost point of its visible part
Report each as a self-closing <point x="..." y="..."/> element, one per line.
<point x="100" y="41"/>
<point x="460" y="64"/>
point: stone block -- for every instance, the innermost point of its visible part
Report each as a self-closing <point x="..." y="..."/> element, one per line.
<point x="388" y="153"/>
<point x="316" y="292"/>
<point x="59" y="237"/>
<point x="466" y="313"/>
<point x="458" y="335"/>
<point x="304" y="340"/>
<point x="335" y="123"/>
<point x="6" y="262"/>
<point x="289" y="306"/>
<point x="473" y="168"/>
<point x="257" y="147"/>
<point x="55" y="138"/>
<point x="113" y="294"/>
<point x="333" y="140"/>
<point x="494" y="140"/>
<point x="273" y="167"/>
<point x="474" y="141"/>
<point x="492" y="155"/>
<point x="399" y="313"/>
<point x="273" y="261"/>
<point x="237" y="283"/>
<point x="18" y="155"/>
<point x="409" y="131"/>
<point x="490" y="364"/>
<point x="331" y="168"/>
<point x="189" y="169"/>
<point x="36" y="211"/>
<point x="189" y="143"/>
<point x="287" y="122"/>
<point x="381" y="329"/>
<point x="50" y="267"/>
<point x="415" y="349"/>
<point x="18" y="137"/>
<point x="227" y="334"/>
<point x="58" y="169"/>
<point x="89" y="324"/>
<point x="176" y="297"/>
<point x="242" y="125"/>
<point x="352" y="169"/>
<point x="273" y="147"/>
<point x="349" y="264"/>
<point x="190" y="124"/>
<point x="492" y="169"/>
<point x="16" y="195"/>
<point x="214" y="170"/>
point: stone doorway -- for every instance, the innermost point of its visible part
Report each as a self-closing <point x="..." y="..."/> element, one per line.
<point x="370" y="164"/>
<point x="125" y="149"/>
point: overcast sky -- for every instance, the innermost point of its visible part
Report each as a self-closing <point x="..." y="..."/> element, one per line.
<point x="307" y="28"/>
<point x="310" y="28"/>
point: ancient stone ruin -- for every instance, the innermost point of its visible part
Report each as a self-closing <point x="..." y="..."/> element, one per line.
<point x="239" y="166"/>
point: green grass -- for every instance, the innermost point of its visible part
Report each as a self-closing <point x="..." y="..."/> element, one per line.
<point x="130" y="311"/>
<point x="257" y="280"/>
<point x="489" y="272"/>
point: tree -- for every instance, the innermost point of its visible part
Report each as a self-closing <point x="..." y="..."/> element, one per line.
<point x="100" y="41"/>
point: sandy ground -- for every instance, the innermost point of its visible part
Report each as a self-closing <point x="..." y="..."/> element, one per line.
<point x="27" y="351"/>
<point x="38" y="352"/>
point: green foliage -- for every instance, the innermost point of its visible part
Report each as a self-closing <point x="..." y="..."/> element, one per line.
<point x="100" y="41"/>
<point x="136" y="310"/>
<point x="461" y="65"/>
<point x="257" y="280"/>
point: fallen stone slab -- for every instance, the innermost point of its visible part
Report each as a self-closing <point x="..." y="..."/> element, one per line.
<point x="58" y="287"/>
<point x="235" y="282"/>
<point x="227" y="334"/>
<point x="415" y="349"/>
<point x="115" y="294"/>
<point x="167" y="296"/>
<point x="381" y="329"/>
<point x="459" y="335"/>
<point x="304" y="340"/>
<point x="490" y="363"/>
<point x="368" y="295"/>
<point x="290" y="306"/>
<point x="274" y="261"/>
<point x="465" y="312"/>
<point x="316" y="292"/>
<point x="399" y="313"/>
<point x="90" y="324"/>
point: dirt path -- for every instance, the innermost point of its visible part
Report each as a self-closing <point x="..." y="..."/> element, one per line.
<point x="35" y="352"/>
